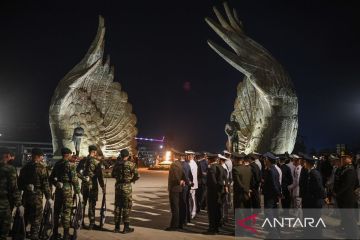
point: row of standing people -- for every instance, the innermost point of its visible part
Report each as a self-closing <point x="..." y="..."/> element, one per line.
<point x="222" y="182"/>
<point x="35" y="183"/>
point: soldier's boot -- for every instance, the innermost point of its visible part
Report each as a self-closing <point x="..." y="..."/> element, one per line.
<point x="83" y="219"/>
<point x="117" y="227"/>
<point x="127" y="228"/>
<point x="91" y="226"/>
<point x="66" y="234"/>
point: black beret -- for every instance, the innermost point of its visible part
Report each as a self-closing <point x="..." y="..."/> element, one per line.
<point x="212" y="156"/>
<point x="65" y="151"/>
<point x="309" y="159"/>
<point x="270" y="155"/>
<point x="92" y="148"/>
<point x="238" y="155"/>
<point x="124" y="153"/>
<point x="37" y="152"/>
<point x="3" y="151"/>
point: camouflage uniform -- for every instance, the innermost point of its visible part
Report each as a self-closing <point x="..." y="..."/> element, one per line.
<point x="125" y="173"/>
<point x="36" y="174"/>
<point x="64" y="172"/>
<point x="80" y="171"/>
<point x="89" y="189"/>
<point x="8" y="193"/>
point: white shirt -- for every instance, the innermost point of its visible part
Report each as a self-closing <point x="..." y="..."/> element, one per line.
<point x="294" y="187"/>
<point x="227" y="170"/>
<point x="229" y="164"/>
<point x="194" y="172"/>
<point x="292" y="168"/>
<point x="257" y="161"/>
<point x="280" y="173"/>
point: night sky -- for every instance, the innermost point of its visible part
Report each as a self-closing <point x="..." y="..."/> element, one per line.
<point x="177" y="85"/>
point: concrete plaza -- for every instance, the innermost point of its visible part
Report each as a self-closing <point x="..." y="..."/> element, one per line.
<point x="150" y="213"/>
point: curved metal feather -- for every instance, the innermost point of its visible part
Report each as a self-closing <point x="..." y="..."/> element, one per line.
<point x="88" y="96"/>
<point x="266" y="106"/>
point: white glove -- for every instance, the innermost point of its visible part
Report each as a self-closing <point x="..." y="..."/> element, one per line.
<point x="30" y="187"/>
<point x="13" y="212"/>
<point x="79" y="197"/>
<point x="59" y="185"/>
<point x="51" y="202"/>
<point x="21" y="211"/>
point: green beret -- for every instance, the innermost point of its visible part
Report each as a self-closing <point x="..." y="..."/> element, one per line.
<point x="92" y="148"/>
<point x="37" y="152"/>
<point x="124" y="153"/>
<point x="65" y="151"/>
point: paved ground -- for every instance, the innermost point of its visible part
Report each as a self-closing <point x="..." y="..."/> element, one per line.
<point x="150" y="214"/>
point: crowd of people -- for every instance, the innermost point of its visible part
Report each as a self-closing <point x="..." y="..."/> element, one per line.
<point x="221" y="183"/>
<point x="24" y="193"/>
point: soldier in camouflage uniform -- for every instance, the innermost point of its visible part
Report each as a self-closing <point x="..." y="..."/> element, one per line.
<point x="84" y="189"/>
<point x="8" y="192"/>
<point x="125" y="173"/>
<point x="91" y="175"/>
<point x="33" y="180"/>
<point x="64" y="178"/>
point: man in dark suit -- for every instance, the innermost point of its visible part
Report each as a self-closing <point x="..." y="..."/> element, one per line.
<point x="185" y="197"/>
<point x="242" y="177"/>
<point x="255" y="184"/>
<point x="175" y="186"/>
<point x="287" y="180"/>
<point x="271" y="191"/>
<point x="303" y="178"/>
<point x="201" y="193"/>
<point x="215" y="190"/>
<point x="314" y="193"/>
<point x="313" y="196"/>
<point x="345" y="196"/>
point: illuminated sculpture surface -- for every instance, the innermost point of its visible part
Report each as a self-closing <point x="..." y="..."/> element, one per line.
<point x="88" y="97"/>
<point x="266" y="106"/>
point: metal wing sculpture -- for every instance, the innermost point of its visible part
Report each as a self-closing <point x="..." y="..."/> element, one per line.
<point x="88" y="97"/>
<point x="266" y="106"/>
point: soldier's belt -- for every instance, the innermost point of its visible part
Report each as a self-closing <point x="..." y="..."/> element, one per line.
<point x="123" y="181"/>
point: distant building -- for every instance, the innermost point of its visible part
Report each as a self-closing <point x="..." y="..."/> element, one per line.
<point x="150" y="151"/>
<point x="22" y="150"/>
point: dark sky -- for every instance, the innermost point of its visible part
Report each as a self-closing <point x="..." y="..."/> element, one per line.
<point x="158" y="47"/>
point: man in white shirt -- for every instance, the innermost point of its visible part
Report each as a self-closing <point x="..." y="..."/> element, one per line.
<point x="279" y="170"/>
<point x="291" y="164"/>
<point x="194" y="170"/>
<point x="257" y="160"/>
<point x="294" y="188"/>
<point x="225" y="200"/>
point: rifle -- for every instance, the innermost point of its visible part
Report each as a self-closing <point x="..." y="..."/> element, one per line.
<point x="103" y="208"/>
<point x="47" y="222"/>
<point x="18" y="229"/>
<point x="77" y="217"/>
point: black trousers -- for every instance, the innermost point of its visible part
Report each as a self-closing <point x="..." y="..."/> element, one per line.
<point x="255" y="198"/>
<point x="184" y="206"/>
<point x="214" y="212"/>
<point x="174" y="198"/>
<point x="271" y="212"/>
<point x="201" y="198"/>
<point x="286" y="201"/>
